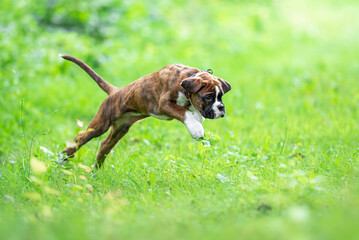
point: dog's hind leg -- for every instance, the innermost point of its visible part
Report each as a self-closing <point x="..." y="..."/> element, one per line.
<point x="98" y="126"/>
<point x="118" y="130"/>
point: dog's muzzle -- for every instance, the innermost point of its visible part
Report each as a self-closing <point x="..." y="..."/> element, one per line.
<point x="212" y="114"/>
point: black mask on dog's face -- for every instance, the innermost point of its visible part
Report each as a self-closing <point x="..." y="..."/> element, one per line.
<point x="213" y="106"/>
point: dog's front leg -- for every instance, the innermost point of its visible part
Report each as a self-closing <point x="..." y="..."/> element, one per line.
<point x="197" y="115"/>
<point x="193" y="124"/>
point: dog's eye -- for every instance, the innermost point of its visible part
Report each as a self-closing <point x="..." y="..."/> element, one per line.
<point x="208" y="98"/>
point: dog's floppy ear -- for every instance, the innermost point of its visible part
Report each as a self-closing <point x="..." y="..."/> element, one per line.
<point x="225" y="85"/>
<point x="193" y="84"/>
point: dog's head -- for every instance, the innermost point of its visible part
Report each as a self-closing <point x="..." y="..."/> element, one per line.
<point x="206" y="91"/>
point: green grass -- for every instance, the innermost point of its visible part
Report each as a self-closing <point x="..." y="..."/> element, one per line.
<point x="283" y="163"/>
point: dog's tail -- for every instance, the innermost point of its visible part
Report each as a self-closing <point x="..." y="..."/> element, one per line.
<point x="108" y="88"/>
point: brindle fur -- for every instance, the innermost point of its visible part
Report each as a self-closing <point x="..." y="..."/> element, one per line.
<point x="155" y="94"/>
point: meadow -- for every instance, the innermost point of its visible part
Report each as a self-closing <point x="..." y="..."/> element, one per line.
<point x="282" y="164"/>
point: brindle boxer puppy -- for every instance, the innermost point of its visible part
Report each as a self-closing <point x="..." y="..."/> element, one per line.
<point x="175" y="91"/>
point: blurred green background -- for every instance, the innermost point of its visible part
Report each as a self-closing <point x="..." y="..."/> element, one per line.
<point x="285" y="160"/>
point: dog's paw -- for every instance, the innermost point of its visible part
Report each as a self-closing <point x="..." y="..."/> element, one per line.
<point x="95" y="166"/>
<point x="62" y="158"/>
<point x="198" y="133"/>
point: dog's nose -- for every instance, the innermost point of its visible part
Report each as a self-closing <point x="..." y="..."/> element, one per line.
<point x="221" y="108"/>
<point x="222" y="115"/>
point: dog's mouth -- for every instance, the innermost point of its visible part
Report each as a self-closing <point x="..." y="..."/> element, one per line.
<point x="212" y="115"/>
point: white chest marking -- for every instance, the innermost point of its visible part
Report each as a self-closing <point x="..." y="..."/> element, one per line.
<point x="194" y="127"/>
<point x="181" y="100"/>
